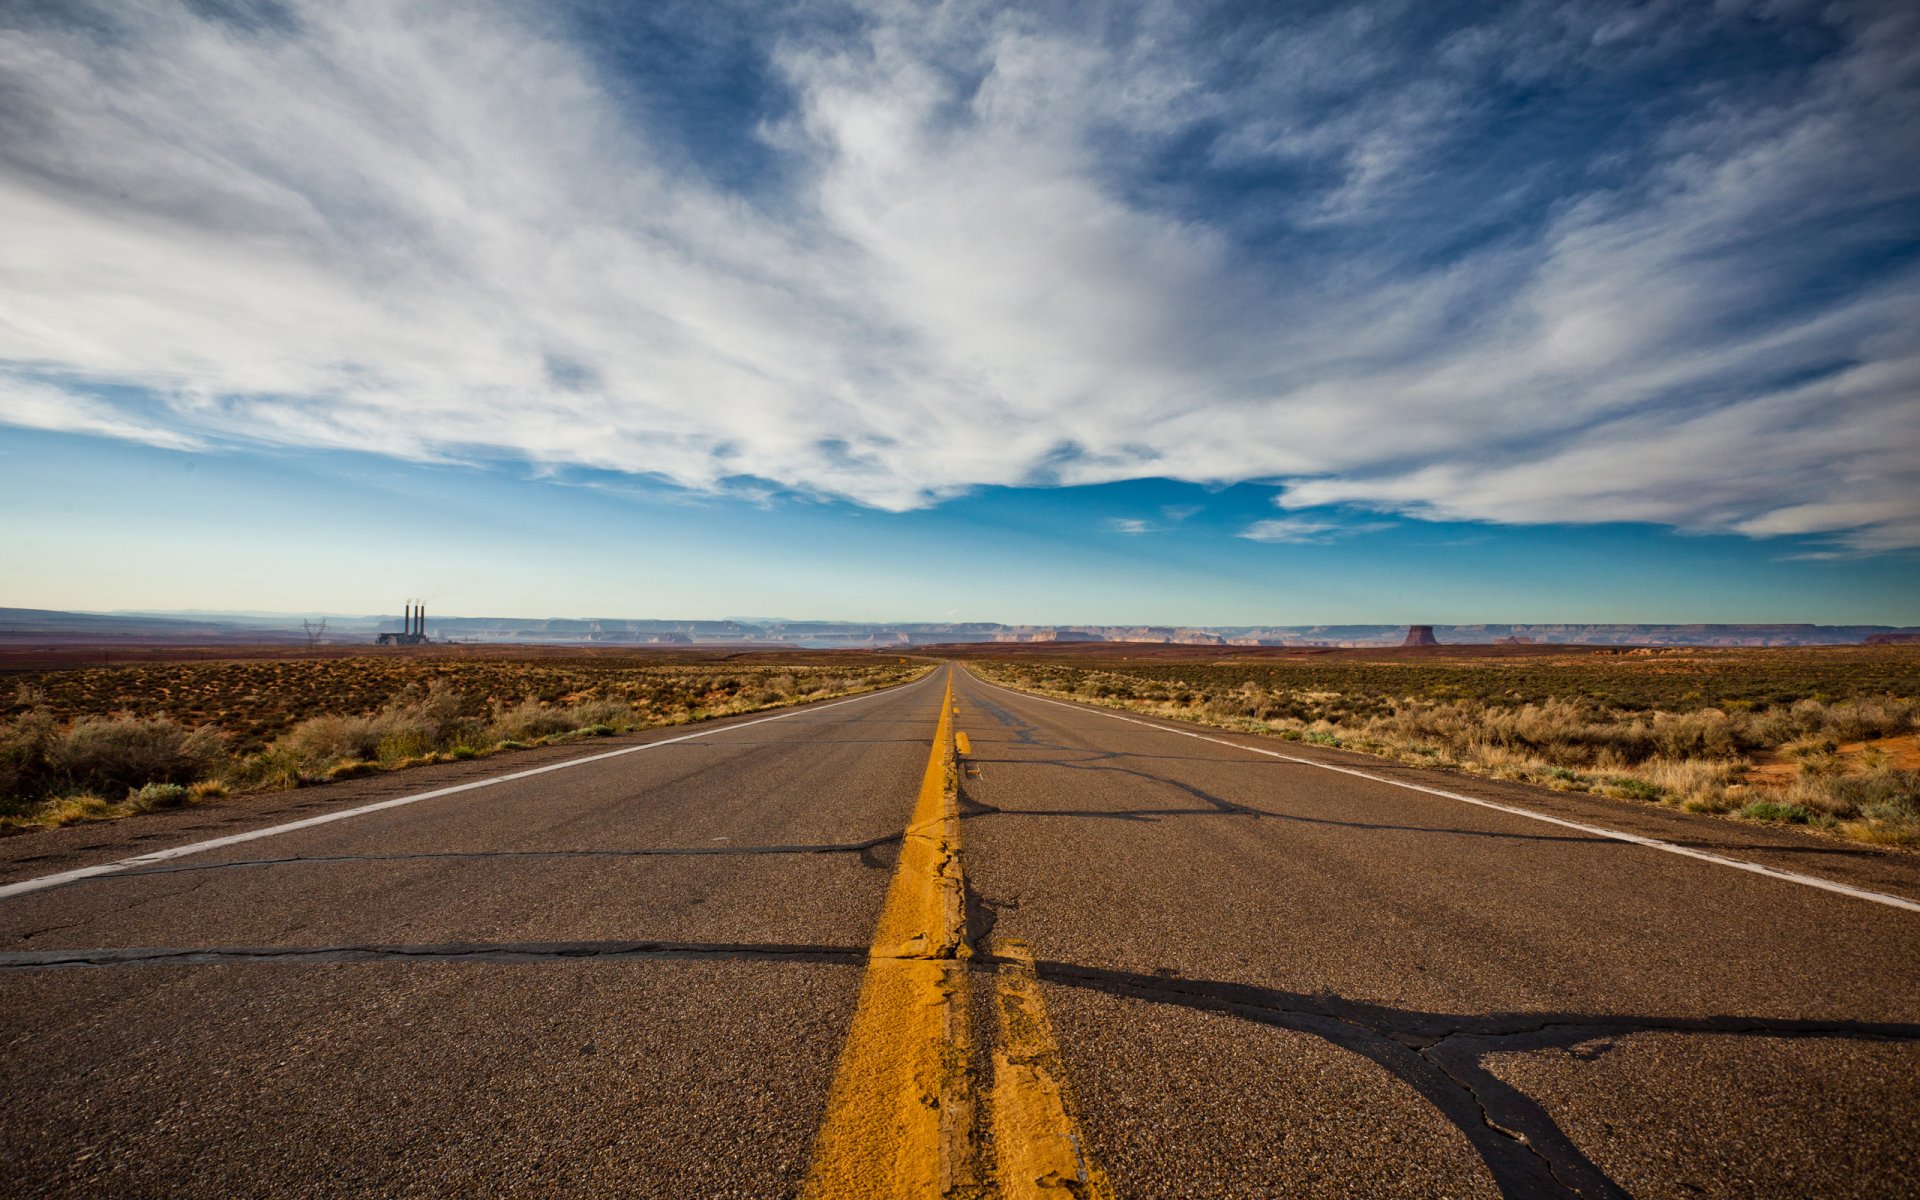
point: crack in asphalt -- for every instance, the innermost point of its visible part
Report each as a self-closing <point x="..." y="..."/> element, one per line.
<point x="1227" y="808"/>
<point x="40" y="960"/>
<point x="1215" y="805"/>
<point x="94" y="918"/>
<point x="1441" y="1055"/>
<point x="863" y="848"/>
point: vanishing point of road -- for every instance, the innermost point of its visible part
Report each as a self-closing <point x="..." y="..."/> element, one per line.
<point x="949" y="939"/>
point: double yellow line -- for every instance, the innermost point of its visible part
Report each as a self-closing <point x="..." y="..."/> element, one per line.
<point x="902" y="1118"/>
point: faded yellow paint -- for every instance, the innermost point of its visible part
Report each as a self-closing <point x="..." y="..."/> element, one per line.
<point x="899" y="1116"/>
<point x="1041" y="1152"/>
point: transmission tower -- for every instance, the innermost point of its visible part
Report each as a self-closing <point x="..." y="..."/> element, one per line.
<point x="315" y="631"/>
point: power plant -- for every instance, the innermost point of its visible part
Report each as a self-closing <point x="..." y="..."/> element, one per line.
<point x="415" y="631"/>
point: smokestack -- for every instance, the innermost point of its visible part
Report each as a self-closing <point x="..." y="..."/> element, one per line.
<point x="423" y="620"/>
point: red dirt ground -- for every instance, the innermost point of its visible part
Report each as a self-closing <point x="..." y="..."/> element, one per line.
<point x="1163" y="652"/>
<point x="46" y="654"/>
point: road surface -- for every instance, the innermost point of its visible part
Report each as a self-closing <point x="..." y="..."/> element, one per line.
<point x="816" y="953"/>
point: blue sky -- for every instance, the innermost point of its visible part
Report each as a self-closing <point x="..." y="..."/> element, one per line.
<point x="1179" y="313"/>
<point x="332" y="531"/>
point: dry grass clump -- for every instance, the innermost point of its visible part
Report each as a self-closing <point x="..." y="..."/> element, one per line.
<point x="58" y="766"/>
<point x="406" y="727"/>
<point x="52" y="774"/>
<point x="101" y="753"/>
<point x="259" y="701"/>
<point x="1643" y="729"/>
<point x="427" y="726"/>
<point x="530" y="720"/>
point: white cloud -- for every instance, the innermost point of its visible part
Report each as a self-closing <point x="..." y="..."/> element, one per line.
<point x="29" y="406"/>
<point x="1292" y="530"/>
<point x="440" y="232"/>
<point x="1131" y="526"/>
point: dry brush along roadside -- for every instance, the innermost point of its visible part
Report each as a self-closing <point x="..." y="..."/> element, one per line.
<point x="100" y="745"/>
<point x="1822" y="738"/>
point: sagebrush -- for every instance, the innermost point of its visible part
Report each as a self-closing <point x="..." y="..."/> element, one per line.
<point x="100" y="743"/>
<point x="1776" y="735"/>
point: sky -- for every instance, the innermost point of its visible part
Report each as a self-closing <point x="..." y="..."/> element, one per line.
<point x="1178" y="313"/>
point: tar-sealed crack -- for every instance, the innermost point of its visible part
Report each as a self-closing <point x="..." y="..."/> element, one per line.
<point x="1440" y="1056"/>
<point x="1220" y="806"/>
<point x="864" y="849"/>
<point x="40" y="960"/>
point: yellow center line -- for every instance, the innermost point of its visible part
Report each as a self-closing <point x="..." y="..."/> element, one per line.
<point x="900" y="1118"/>
<point x="1040" y="1150"/>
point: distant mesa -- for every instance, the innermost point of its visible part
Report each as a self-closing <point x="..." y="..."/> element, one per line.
<point x="42" y="627"/>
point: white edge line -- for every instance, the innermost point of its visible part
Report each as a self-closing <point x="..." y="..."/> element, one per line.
<point x="1738" y="864"/>
<point x="42" y="882"/>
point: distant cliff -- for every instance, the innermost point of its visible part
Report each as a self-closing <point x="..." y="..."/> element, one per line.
<point x="26" y="624"/>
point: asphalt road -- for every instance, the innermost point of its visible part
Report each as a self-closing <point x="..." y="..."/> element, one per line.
<point x="1256" y="977"/>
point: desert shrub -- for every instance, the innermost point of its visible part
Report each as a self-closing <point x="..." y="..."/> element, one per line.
<point x="528" y="721"/>
<point x="435" y="717"/>
<point x="1699" y="784"/>
<point x="276" y="767"/>
<point x="1678" y="728"/>
<point x="118" y="754"/>
<point x="298" y="723"/>
<point x="532" y="720"/>
<point x="1630" y="787"/>
<point x="588" y="714"/>
<point x="1861" y="720"/>
<point x="68" y="810"/>
<point x="407" y="743"/>
<point x="1886" y="794"/>
<point x="414" y="725"/>
<point x="157" y="795"/>
<point x="1704" y="733"/>
<point x="334" y="739"/>
<point x="1770" y="810"/>
<point x="24" y="744"/>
